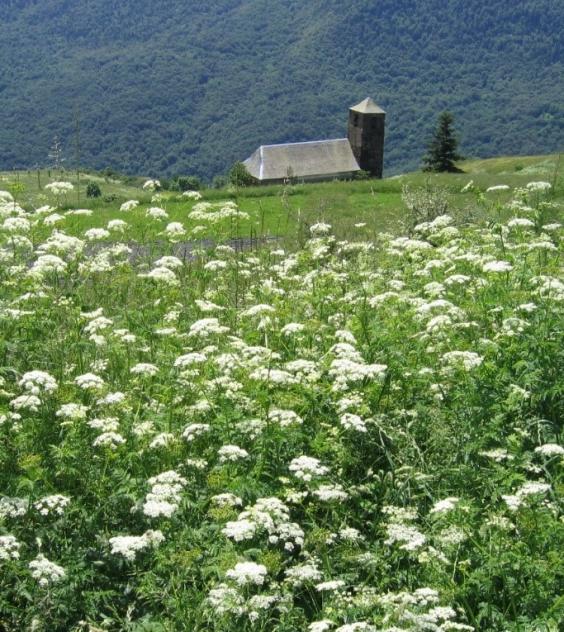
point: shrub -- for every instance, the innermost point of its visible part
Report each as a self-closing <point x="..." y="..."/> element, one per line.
<point x="93" y="190"/>
<point x="240" y="177"/>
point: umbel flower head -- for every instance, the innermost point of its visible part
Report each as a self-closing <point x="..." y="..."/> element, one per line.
<point x="46" y="572"/>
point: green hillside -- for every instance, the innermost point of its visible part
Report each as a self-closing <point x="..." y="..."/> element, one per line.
<point x="191" y="87"/>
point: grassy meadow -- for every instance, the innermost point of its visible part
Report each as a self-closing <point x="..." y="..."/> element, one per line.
<point x="278" y="211"/>
<point x="353" y="428"/>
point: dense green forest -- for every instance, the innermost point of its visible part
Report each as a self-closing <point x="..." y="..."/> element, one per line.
<point x="185" y="87"/>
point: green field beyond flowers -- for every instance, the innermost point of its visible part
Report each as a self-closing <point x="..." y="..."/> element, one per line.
<point x="283" y="212"/>
<point x="355" y="427"/>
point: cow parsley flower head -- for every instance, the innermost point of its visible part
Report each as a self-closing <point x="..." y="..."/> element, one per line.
<point x="284" y="417"/>
<point x="151" y="185"/>
<point x="307" y="467"/>
<point x="303" y="573"/>
<point x="467" y="360"/>
<point x="320" y="626"/>
<point x="520" y="222"/>
<point x="111" y="440"/>
<point x="128" y="206"/>
<point x="498" y="187"/>
<point x="96" y="234"/>
<point x="112" y="399"/>
<point x="226" y="500"/>
<point x="47" y="264"/>
<point x="16" y="225"/>
<point x="225" y="600"/>
<point x="89" y="382"/>
<point x="444" y="506"/>
<point x="497" y="266"/>
<point x="231" y="454"/>
<point x="164" y="497"/>
<point x="104" y="424"/>
<point x="175" y="231"/>
<point x="321" y="228"/>
<point x="162" y="275"/>
<point x="129" y="545"/>
<point x="26" y="402"/>
<point x="538" y="186"/>
<point x="330" y="493"/>
<point x="46" y="572"/>
<point x="13" y="507"/>
<point x="144" y="368"/>
<point x="117" y="225"/>
<point x="550" y="449"/>
<point x="349" y="421"/>
<point x="409" y="538"/>
<point x="240" y="530"/>
<point x="155" y="212"/>
<point x="9" y="548"/>
<point x="37" y="382"/>
<point x="52" y="219"/>
<point x="59" y="188"/>
<point x="54" y="504"/>
<point x="330" y="585"/>
<point x="192" y="195"/>
<point x="292" y="328"/>
<point x="162" y="440"/>
<point x="206" y="327"/>
<point x="245" y="573"/>
<point x="193" y="431"/>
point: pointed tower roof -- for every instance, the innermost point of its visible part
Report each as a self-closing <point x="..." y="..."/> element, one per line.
<point x="367" y="107"/>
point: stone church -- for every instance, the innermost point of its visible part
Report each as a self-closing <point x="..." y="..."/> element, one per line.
<point x="363" y="149"/>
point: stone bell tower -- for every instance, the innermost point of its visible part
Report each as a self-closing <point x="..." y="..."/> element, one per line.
<point x="366" y="136"/>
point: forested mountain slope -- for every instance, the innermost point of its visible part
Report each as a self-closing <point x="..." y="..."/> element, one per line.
<point x="185" y="87"/>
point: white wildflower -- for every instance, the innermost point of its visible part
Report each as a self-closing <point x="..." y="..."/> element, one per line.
<point x="151" y="185"/>
<point x="89" y="382"/>
<point x="54" y="504"/>
<point x="26" y="402"/>
<point x="111" y="440"/>
<point x="444" y="506"/>
<point x="497" y="266"/>
<point x="129" y="545"/>
<point x="231" y="454"/>
<point x="240" y="530"/>
<point x="298" y="575"/>
<point x="9" y="548"/>
<point x="498" y="187"/>
<point x="46" y="572"/>
<point x="144" y="368"/>
<point x="307" y="467"/>
<point x="349" y="421"/>
<point x="128" y="206"/>
<point x="550" y="449"/>
<point x="117" y="225"/>
<point x="59" y="188"/>
<point x="246" y="573"/>
<point x="155" y="212"/>
<point x="193" y="431"/>
<point x="467" y="360"/>
<point x="539" y="186"/>
<point x="96" y="234"/>
<point x="37" y="382"/>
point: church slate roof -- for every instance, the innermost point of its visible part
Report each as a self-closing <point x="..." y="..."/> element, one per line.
<point x="319" y="158"/>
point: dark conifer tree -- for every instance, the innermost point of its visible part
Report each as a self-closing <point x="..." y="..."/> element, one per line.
<point x="441" y="153"/>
